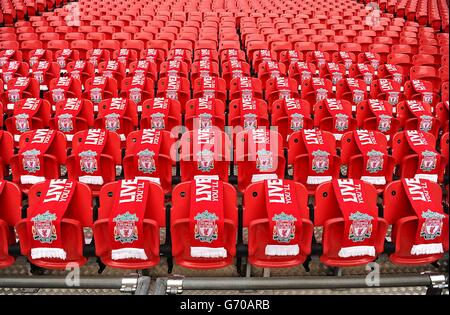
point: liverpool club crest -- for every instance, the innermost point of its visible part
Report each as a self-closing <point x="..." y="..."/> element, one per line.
<point x="31" y="161"/>
<point x="427" y="97"/>
<point x="22" y="122"/>
<point x="88" y="161"/>
<point x="264" y="160"/>
<point x="426" y="123"/>
<point x="341" y="122"/>
<point x="112" y="122"/>
<point x="205" y="160"/>
<point x="384" y="124"/>
<point x="58" y="95"/>
<point x="96" y="95"/>
<point x="374" y="161"/>
<point x="296" y="122"/>
<point x="320" y="162"/>
<point x="135" y="95"/>
<point x="206" y="229"/>
<point x="361" y="227"/>
<point x="125" y="230"/>
<point x="284" y="229"/>
<point x="43" y="229"/>
<point x="321" y="94"/>
<point x="393" y="98"/>
<point x="205" y="121"/>
<point x="13" y="95"/>
<point x="250" y="121"/>
<point x="432" y="226"/>
<point x="429" y="160"/>
<point x="146" y="161"/>
<point x="65" y="123"/>
<point x="157" y="121"/>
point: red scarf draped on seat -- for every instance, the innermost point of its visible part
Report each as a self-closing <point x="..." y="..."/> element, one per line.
<point x="146" y="152"/>
<point x="320" y="157"/>
<point x="23" y="115"/>
<point x="283" y="214"/>
<point x="44" y="220"/>
<point x="207" y="218"/>
<point x="88" y="156"/>
<point x="32" y="156"/>
<point x="425" y="204"/>
<point x="360" y="219"/>
<point x="126" y="224"/>
<point x="263" y="152"/>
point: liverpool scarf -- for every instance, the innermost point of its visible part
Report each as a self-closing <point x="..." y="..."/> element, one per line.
<point x="23" y="114"/>
<point x="207" y="218"/>
<point x="340" y="117"/>
<point x="88" y="156"/>
<point x="158" y="112"/>
<point x="320" y="157"/>
<point x="145" y="154"/>
<point x="374" y="156"/>
<point x="44" y="220"/>
<point x="32" y="156"/>
<point x="126" y="223"/>
<point x="360" y="218"/>
<point x="422" y="113"/>
<point x="284" y="221"/>
<point x="66" y="116"/>
<point x="425" y="204"/>
<point x="429" y="158"/>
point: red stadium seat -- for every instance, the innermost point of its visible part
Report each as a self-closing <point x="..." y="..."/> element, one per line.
<point x="343" y="248"/>
<point x="399" y="211"/>
<point x="183" y="225"/>
<point x="112" y="195"/>
<point x="77" y="215"/>
<point x="417" y="115"/>
<point x="264" y="252"/>
<point x="208" y="111"/>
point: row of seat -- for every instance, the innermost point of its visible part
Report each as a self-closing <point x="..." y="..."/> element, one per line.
<point x="312" y="156"/>
<point x="204" y="223"/>
<point x="16" y="10"/>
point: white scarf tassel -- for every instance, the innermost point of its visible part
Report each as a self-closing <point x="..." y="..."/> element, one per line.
<point x="430" y="177"/>
<point x="316" y="180"/>
<point x="374" y="180"/>
<point x="46" y="252"/>
<point x="91" y="180"/>
<point x="282" y="250"/>
<point x="427" y="249"/>
<point x="128" y="253"/>
<point x="356" y="251"/>
<point x="31" y="179"/>
<point x="209" y="252"/>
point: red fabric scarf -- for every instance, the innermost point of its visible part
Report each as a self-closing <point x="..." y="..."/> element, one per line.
<point x="204" y="152"/>
<point x="204" y="113"/>
<point x="146" y="152"/>
<point x="345" y="57"/>
<point x="320" y="157"/>
<point x="44" y="220"/>
<point x="391" y="89"/>
<point x="174" y="68"/>
<point x="62" y="58"/>
<point x="293" y="56"/>
<point x="78" y="69"/>
<point x="394" y="71"/>
<point x="360" y="220"/>
<point x="209" y="86"/>
<point x="295" y="114"/>
<point x="245" y="86"/>
<point x="61" y="88"/>
<point x="273" y="68"/>
<point x="304" y="70"/>
<point x="10" y="70"/>
<point x="88" y="156"/>
<point x="284" y="218"/>
<point x="335" y="72"/>
<point x="318" y="84"/>
<point x="358" y="92"/>
<point x="39" y="71"/>
<point x="113" y="115"/>
<point x="366" y="73"/>
<point x="425" y="88"/>
<point x="207" y="218"/>
<point x="23" y="114"/>
<point x="142" y="68"/>
<point x="340" y="117"/>
<point x="126" y="223"/>
<point x="383" y="115"/>
<point x="16" y="88"/>
<point x="66" y="115"/>
<point x="159" y="113"/>
<point x="372" y="59"/>
<point x="96" y="55"/>
<point x="98" y="86"/>
<point x="263" y="153"/>
<point x="136" y="89"/>
<point x="429" y="158"/>
<point x="5" y="56"/>
<point x="32" y="156"/>
<point x="374" y="155"/>
<point x="124" y="55"/>
<point x="111" y="69"/>
<point x="151" y="55"/>
<point x="236" y="68"/>
<point x="319" y="57"/>
<point x="173" y="86"/>
<point x="283" y="86"/>
<point x="425" y="203"/>
<point x="36" y="56"/>
<point x="204" y="68"/>
<point x="422" y="114"/>
<point x="249" y="112"/>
